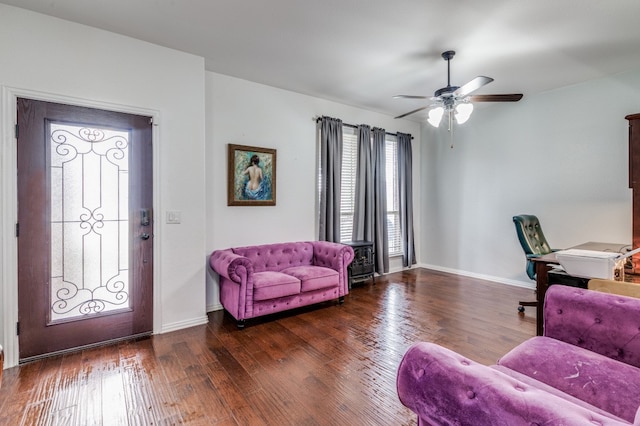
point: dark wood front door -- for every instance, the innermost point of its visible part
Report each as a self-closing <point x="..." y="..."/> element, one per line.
<point x="85" y="228"/>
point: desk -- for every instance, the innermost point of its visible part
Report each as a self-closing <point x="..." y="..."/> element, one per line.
<point x="543" y="263"/>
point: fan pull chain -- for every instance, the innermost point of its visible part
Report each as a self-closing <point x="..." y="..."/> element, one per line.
<point x="450" y="129"/>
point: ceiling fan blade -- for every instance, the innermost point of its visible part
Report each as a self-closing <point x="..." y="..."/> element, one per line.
<point x="411" y="112"/>
<point x="512" y="97"/>
<point x="472" y="86"/>
<point x="410" y="97"/>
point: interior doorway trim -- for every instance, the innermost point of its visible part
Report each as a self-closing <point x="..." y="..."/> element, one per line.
<point x="9" y="207"/>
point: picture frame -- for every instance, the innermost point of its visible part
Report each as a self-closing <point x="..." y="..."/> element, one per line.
<point x="251" y="176"/>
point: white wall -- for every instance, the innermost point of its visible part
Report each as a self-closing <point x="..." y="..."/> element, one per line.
<point x="245" y="113"/>
<point x="54" y="58"/>
<point x="561" y="155"/>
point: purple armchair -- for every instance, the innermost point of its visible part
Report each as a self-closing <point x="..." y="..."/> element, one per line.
<point x="264" y="279"/>
<point x="584" y="370"/>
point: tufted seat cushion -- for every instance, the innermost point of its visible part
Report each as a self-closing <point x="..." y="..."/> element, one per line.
<point x="313" y="277"/>
<point x="593" y="378"/>
<point x="553" y="391"/>
<point x="271" y="285"/>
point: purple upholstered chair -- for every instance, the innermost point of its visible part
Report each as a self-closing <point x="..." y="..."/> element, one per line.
<point x="584" y="370"/>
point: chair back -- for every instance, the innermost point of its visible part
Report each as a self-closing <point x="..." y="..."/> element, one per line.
<point x="531" y="239"/>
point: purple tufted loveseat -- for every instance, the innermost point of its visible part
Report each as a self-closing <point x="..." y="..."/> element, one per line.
<point x="584" y="370"/>
<point x="265" y="279"/>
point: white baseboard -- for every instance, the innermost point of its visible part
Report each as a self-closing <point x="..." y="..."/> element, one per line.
<point x="184" y="324"/>
<point x="515" y="283"/>
<point x="214" y="307"/>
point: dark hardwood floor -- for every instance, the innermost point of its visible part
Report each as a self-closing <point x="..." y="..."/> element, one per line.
<point x="327" y="365"/>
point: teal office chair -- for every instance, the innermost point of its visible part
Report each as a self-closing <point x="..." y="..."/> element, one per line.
<point x="533" y="243"/>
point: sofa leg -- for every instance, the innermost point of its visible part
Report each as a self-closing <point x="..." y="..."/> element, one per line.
<point x="341" y="300"/>
<point x="240" y="324"/>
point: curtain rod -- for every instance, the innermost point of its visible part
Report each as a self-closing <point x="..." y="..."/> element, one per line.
<point x="354" y="126"/>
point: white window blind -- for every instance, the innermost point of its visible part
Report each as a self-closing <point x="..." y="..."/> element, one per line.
<point x="393" y="200"/>
<point x="348" y="185"/>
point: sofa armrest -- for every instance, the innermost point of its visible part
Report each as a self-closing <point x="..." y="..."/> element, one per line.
<point x="443" y="387"/>
<point x="230" y="265"/>
<point x="332" y="255"/>
<point x="604" y="323"/>
<point x="335" y="256"/>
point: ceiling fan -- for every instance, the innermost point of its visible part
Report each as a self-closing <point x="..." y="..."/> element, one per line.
<point x="456" y="100"/>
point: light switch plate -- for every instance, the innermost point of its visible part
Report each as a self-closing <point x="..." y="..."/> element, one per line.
<point x="174" y="216"/>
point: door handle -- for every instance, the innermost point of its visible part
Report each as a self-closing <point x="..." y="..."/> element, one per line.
<point x="145" y="236"/>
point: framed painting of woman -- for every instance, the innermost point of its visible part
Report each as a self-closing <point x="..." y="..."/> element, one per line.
<point x="252" y="176"/>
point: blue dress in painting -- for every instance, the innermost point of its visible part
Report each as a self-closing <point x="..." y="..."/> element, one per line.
<point x="262" y="192"/>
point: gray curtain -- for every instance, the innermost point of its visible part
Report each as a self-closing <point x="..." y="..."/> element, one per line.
<point x="330" y="178"/>
<point x="405" y="193"/>
<point x="363" y="215"/>
<point x="380" y="242"/>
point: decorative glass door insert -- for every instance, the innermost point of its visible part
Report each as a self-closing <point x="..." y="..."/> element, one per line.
<point x="89" y="172"/>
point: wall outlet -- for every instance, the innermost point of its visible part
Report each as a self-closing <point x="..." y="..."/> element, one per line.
<point x="174" y="216"/>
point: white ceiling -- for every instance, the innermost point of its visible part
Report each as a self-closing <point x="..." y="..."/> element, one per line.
<point x="361" y="53"/>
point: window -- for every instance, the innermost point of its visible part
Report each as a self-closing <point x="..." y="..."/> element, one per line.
<point x="349" y="164"/>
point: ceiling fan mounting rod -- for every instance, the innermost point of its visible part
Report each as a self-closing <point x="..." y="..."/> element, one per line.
<point x="448" y="55"/>
<point x="446" y="93"/>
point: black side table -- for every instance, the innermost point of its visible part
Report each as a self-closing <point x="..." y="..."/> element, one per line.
<point x="364" y="262"/>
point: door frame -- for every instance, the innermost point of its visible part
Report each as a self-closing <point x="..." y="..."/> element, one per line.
<point x="9" y="207"/>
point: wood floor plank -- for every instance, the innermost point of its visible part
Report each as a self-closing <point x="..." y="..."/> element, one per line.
<point x="321" y="365"/>
<point x="239" y="405"/>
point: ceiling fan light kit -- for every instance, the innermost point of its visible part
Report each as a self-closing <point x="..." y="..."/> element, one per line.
<point x="463" y="112"/>
<point x="456" y="100"/>
<point x="435" y="115"/>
